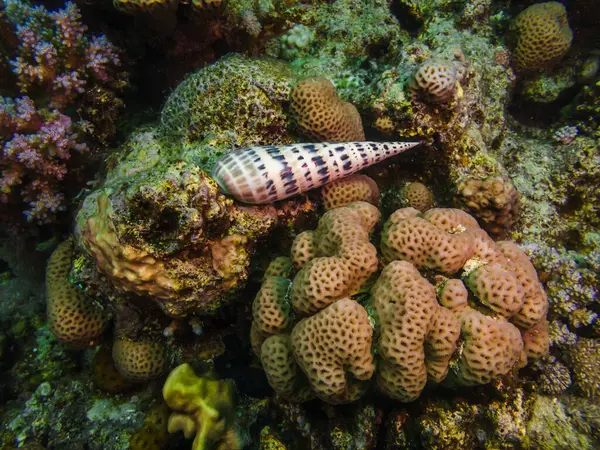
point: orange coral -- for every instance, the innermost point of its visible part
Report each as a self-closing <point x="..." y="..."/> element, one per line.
<point x="322" y="115"/>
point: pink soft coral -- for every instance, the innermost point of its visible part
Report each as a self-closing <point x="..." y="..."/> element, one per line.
<point x="37" y="146"/>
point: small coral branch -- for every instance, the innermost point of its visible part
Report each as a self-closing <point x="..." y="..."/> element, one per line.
<point x="36" y="145"/>
<point x="69" y="84"/>
<point x="58" y="65"/>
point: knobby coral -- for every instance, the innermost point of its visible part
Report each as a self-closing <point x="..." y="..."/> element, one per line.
<point x="543" y="36"/>
<point x="314" y="340"/>
<point x="322" y="115"/>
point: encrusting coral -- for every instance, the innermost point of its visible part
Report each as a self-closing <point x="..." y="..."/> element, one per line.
<point x="543" y="36"/>
<point x="460" y="333"/>
<point x="203" y="408"/>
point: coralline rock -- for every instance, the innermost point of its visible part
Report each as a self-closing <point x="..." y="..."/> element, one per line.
<point x="560" y="424"/>
<point x="168" y="234"/>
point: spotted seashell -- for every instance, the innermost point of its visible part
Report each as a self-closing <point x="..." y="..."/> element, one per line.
<point x="265" y="174"/>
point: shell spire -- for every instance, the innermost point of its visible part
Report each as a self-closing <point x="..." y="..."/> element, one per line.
<point x="265" y="174"/>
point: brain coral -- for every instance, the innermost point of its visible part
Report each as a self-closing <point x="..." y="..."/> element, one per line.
<point x="270" y="309"/>
<point x="139" y="360"/>
<point x="73" y="317"/>
<point x="411" y="237"/>
<point x="322" y="115"/>
<point x="459" y="333"/>
<point x="543" y="36"/>
<point x="355" y="188"/>
<point x="281" y="369"/>
<point x="436" y="81"/>
<point x="342" y="260"/>
<point x="333" y="347"/>
<point x="490" y="347"/>
<point x="410" y="316"/>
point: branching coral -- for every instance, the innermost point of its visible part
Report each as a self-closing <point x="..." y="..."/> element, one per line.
<point x="37" y="145"/>
<point x="62" y="71"/>
<point x="57" y="60"/>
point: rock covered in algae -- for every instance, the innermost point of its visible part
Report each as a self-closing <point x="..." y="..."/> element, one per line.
<point x="349" y="38"/>
<point x="167" y="233"/>
<point x="519" y="419"/>
<point x="237" y="96"/>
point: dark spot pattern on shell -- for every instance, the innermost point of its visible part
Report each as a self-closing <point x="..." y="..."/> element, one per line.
<point x="264" y="174"/>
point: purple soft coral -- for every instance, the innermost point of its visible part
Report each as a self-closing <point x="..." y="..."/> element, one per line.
<point x="62" y="70"/>
<point x="34" y="159"/>
<point x="56" y="58"/>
